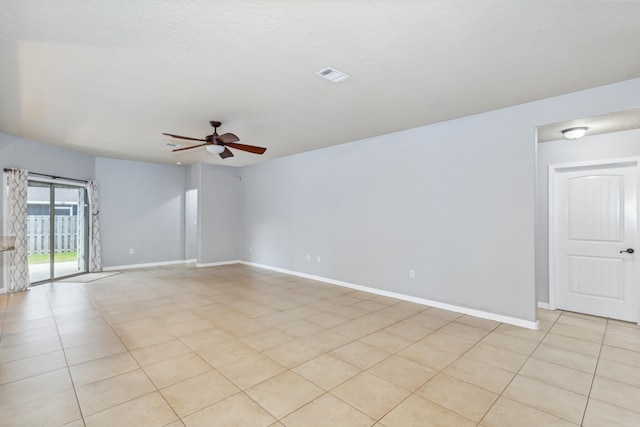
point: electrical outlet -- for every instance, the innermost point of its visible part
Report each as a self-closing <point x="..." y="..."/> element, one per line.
<point x="131" y="251"/>
<point x="412" y="274"/>
<point x="318" y="258"/>
<point x="308" y="257"/>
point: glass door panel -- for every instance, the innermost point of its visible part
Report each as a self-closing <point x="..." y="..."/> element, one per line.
<point x="39" y="230"/>
<point x="68" y="236"/>
<point x="57" y="230"/>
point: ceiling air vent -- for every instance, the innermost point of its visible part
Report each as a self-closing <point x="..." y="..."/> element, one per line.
<point x="333" y="75"/>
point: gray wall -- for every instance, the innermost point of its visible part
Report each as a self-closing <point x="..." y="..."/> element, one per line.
<point x="148" y="207"/>
<point x="219" y="219"/>
<point x="597" y="147"/>
<point x="191" y="234"/>
<point x="25" y="154"/>
<point x="145" y="206"/>
<point x="430" y="199"/>
<point x="453" y="201"/>
<point x="141" y="207"/>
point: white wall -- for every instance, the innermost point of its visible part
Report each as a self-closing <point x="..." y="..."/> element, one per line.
<point x="141" y="208"/>
<point x="453" y="201"/>
<point x="597" y="147"/>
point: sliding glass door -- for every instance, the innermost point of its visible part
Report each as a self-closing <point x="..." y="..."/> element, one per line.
<point x="57" y="230"/>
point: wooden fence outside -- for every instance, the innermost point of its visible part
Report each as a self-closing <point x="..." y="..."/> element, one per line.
<point x="66" y="234"/>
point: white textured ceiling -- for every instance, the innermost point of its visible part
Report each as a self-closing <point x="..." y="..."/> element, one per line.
<point x="107" y="77"/>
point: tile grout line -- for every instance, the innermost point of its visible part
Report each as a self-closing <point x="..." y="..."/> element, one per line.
<point x="516" y="374"/>
<point x="328" y="353"/>
<point x="353" y="340"/>
<point x="73" y="385"/>
<point x="411" y="393"/>
<point x="595" y="371"/>
<point x="128" y="351"/>
<point x="157" y="390"/>
<point x="441" y="371"/>
<point x="137" y="362"/>
<point x="319" y="297"/>
<point x="325" y="392"/>
<point x="243" y="391"/>
<point x="328" y="392"/>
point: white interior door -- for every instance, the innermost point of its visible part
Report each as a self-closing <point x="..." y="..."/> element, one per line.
<point x="593" y="222"/>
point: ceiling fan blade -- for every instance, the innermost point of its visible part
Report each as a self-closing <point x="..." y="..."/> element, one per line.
<point x="226" y="153"/>
<point x="244" y="147"/>
<point x="189" y="148"/>
<point x="227" y="138"/>
<point x="183" y="137"/>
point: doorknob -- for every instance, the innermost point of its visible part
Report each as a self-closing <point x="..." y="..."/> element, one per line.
<point x="630" y="251"/>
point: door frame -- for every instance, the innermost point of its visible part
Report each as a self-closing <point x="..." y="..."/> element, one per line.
<point x="554" y="170"/>
<point x="53" y="182"/>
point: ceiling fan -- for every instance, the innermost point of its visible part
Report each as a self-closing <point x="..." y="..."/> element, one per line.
<point x="218" y="144"/>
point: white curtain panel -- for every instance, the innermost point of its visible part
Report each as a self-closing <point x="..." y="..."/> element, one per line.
<point x="18" y="279"/>
<point x="95" y="254"/>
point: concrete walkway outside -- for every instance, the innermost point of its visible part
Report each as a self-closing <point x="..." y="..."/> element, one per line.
<point x="40" y="272"/>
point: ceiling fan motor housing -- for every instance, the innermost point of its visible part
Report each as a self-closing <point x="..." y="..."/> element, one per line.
<point x="219" y="141"/>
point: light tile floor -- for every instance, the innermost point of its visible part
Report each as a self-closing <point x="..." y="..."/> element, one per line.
<point x="240" y="346"/>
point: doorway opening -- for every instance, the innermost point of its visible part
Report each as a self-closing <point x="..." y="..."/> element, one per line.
<point x="611" y="138"/>
<point x="57" y="230"/>
<point x="593" y="235"/>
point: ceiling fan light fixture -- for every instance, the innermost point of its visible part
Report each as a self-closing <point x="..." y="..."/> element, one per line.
<point x="575" y="133"/>
<point x="215" y="149"/>
<point x="218" y="144"/>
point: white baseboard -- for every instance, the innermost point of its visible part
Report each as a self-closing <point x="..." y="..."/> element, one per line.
<point x="214" y="264"/>
<point x="156" y="264"/>
<point x="543" y="305"/>
<point x="148" y="264"/>
<point x="455" y="308"/>
<point x="458" y="309"/>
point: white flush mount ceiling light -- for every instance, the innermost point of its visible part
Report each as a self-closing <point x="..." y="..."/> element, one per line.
<point x="215" y="149"/>
<point x="333" y="75"/>
<point x="575" y="133"/>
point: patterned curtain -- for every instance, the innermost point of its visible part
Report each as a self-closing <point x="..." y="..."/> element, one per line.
<point x="17" y="226"/>
<point x="81" y="236"/>
<point x="95" y="254"/>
